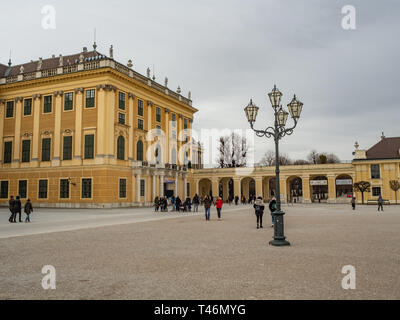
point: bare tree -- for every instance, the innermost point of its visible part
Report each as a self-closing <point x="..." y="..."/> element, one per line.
<point x="269" y="159"/>
<point x="232" y="151"/>
<point x="313" y="157"/>
<point x="362" y="186"/>
<point x="395" y="186"/>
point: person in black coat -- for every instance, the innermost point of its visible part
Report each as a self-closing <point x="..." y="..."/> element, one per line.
<point x="259" y="211"/>
<point x="28" y="210"/>
<point x="11" y="207"/>
<point x="272" y="209"/>
<point x="17" y="209"/>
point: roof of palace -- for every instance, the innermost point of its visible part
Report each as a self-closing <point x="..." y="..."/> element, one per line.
<point x="82" y="61"/>
<point x="387" y="148"/>
<point x="50" y="63"/>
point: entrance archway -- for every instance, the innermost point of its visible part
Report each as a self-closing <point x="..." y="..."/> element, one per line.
<point x="295" y="189"/>
<point x="319" y="189"/>
<point x="226" y="191"/>
<point x="344" y="187"/>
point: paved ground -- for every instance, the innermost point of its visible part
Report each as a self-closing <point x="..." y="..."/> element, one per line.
<point x="140" y="254"/>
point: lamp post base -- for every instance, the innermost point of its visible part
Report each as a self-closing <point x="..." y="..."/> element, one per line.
<point x="279" y="243"/>
<point x="279" y="237"/>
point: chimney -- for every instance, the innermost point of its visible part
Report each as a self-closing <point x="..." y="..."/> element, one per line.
<point x="383" y="136"/>
<point x="84" y="49"/>
<point x="111" y="52"/>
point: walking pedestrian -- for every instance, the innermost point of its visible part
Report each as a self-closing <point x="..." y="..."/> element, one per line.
<point x="207" y="205"/>
<point x="380" y="203"/>
<point x="196" y="202"/>
<point x="156" y="204"/>
<point x="353" y="203"/>
<point x="259" y="211"/>
<point x="17" y="209"/>
<point x="272" y="209"/>
<point x="11" y="207"/>
<point x="28" y="209"/>
<point x="218" y="205"/>
<point x="177" y="203"/>
<point x="236" y="200"/>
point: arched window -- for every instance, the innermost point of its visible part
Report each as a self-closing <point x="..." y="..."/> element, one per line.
<point x="121" y="148"/>
<point x="173" y="156"/>
<point x="139" y="151"/>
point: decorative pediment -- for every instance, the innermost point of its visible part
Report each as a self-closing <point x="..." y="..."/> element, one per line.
<point x="68" y="132"/>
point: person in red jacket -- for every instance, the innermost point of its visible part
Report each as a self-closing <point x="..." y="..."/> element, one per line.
<point x="218" y="205"/>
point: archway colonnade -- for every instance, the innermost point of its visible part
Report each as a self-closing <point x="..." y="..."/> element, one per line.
<point x="298" y="184"/>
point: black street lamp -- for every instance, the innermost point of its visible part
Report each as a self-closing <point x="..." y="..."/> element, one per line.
<point x="277" y="132"/>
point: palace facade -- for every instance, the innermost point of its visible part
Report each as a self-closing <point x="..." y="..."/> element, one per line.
<point x="86" y="131"/>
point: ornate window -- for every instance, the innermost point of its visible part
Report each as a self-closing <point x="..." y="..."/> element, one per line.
<point x="121" y="100"/>
<point x="67" y="148"/>
<point x="375" y="171"/>
<point x="7" y="151"/>
<point x="140" y="107"/>
<point x="10" y="109"/>
<point x="140" y="124"/>
<point x="46" y="146"/>
<point x="64" y="188"/>
<point x="27" y="107"/>
<point x="43" y="189"/>
<point x="86" y="188"/>
<point x="90" y="96"/>
<point x="122" y="188"/>
<point x="47" y="104"/>
<point x="139" y="151"/>
<point x="89" y="146"/>
<point x="4" y="189"/>
<point x="68" y="101"/>
<point x="26" y="150"/>
<point x="121" y="148"/>
<point x="22" y="188"/>
<point x="158" y="114"/>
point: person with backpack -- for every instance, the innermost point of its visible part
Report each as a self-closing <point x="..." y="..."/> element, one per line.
<point x="218" y="205"/>
<point x="272" y="209"/>
<point x="207" y="205"/>
<point x="11" y="207"/>
<point x="28" y="209"/>
<point x="259" y="211"/>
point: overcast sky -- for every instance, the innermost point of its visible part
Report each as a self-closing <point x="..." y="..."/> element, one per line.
<point x="227" y="52"/>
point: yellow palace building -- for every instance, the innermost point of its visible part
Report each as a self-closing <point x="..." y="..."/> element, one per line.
<point x="84" y="130"/>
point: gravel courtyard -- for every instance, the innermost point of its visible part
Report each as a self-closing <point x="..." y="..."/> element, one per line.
<point x="139" y="254"/>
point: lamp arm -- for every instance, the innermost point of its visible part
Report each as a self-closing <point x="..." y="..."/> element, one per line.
<point x="266" y="132"/>
<point x="283" y="131"/>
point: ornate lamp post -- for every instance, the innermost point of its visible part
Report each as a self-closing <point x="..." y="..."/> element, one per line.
<point x="278" y="131"/>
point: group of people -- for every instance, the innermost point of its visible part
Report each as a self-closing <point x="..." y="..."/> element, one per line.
<point x="162" y="203"/>
<point x="15" y="207"/>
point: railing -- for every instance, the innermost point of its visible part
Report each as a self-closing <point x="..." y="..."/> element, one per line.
<point x="49" y="72"/>
<point x="30" y="76"/>
<point x="70" y="69"/>
<point x="91" y="65"/>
